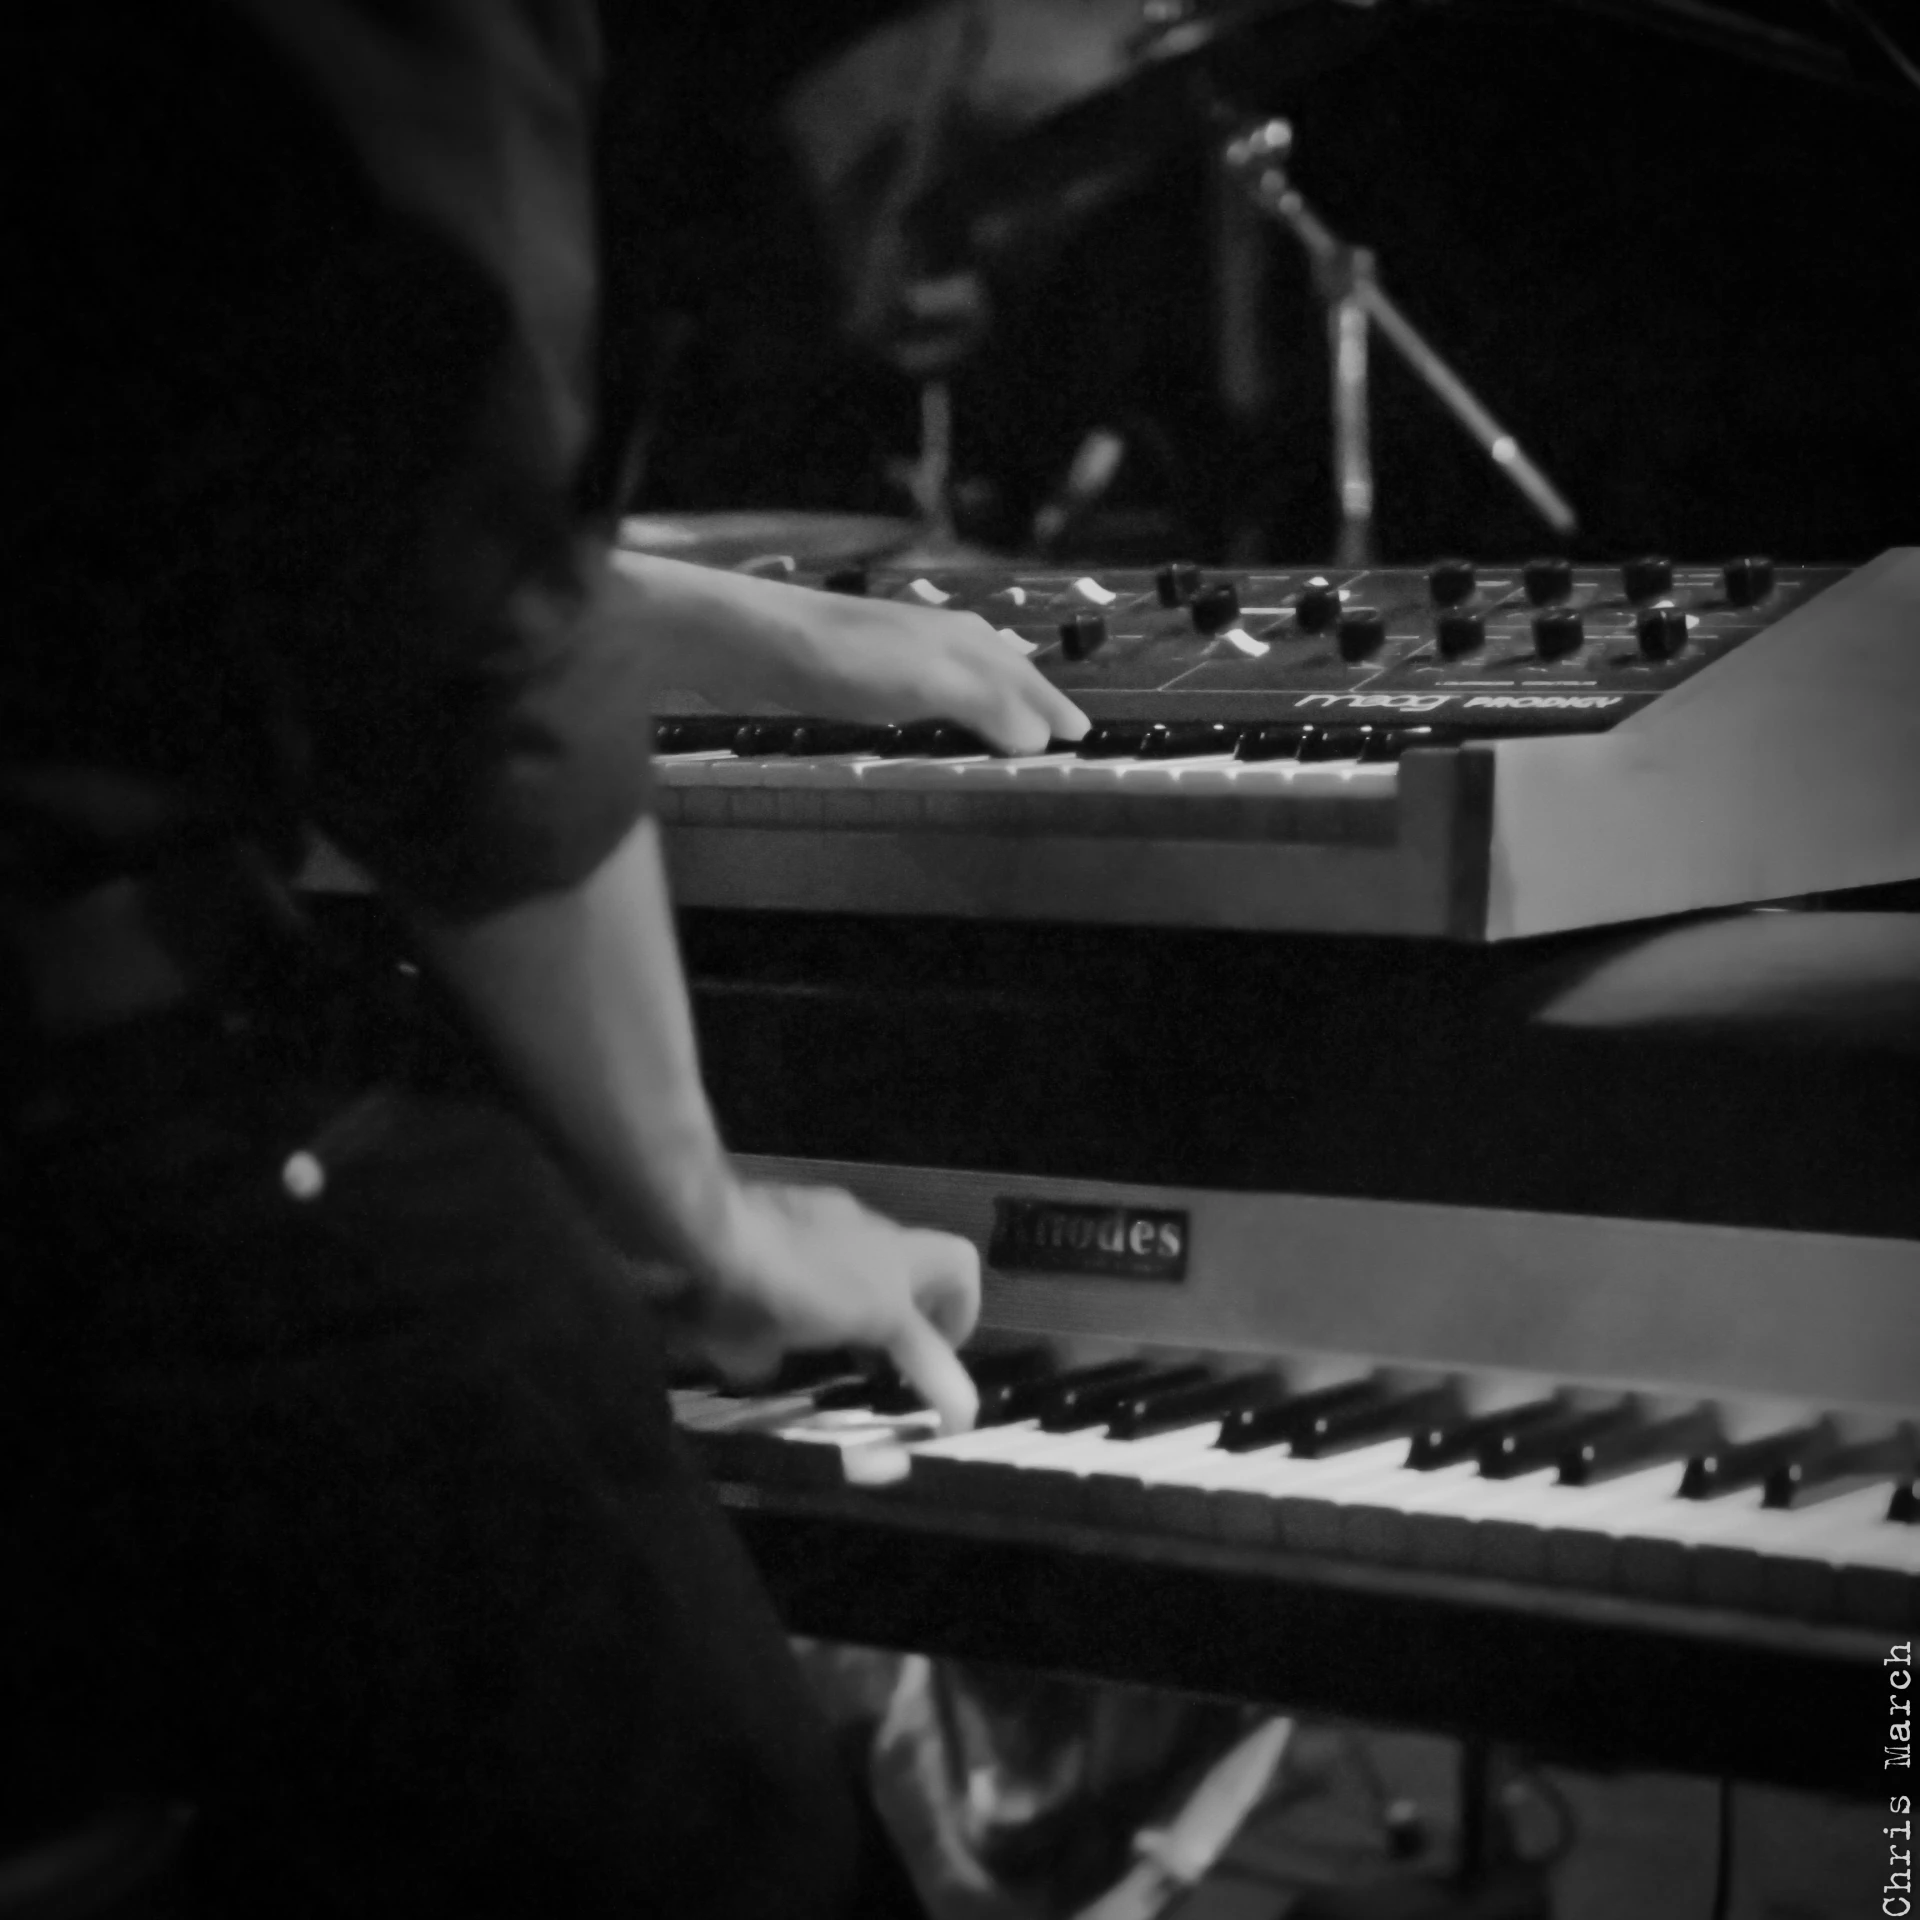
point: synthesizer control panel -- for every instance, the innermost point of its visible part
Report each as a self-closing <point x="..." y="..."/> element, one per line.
<point x="1461" y="751"/>
<point x="1542" y="646"/>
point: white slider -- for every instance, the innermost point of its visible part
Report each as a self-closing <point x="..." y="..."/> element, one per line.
<point x="1243" y="642"/>
<point x="1017" y="641"/>
<point x="1014" y="596"/>
<point x="923" y="590"/>
<point x="1089" y="590"/>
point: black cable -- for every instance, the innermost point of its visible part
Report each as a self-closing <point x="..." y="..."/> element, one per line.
<point x="1877" y="48"/>
<point x="1723" y="1853"/>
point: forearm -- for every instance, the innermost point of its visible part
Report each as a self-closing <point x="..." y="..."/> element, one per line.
<point x="581" y="997"/>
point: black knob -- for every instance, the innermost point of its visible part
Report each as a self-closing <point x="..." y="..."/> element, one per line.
<point x="1661" y="631"/>
<point x="1748" y="580"/>
<point x="1363" y="632"/>
<point x="1458" y="631"/>
<point x="1450" y="581"/>
<point x="1214" y="609"/>
<point x="1317" y="608"/>
<point x="1647" y="578"/>
<point x="1557" y="632"/>
<point x="846" y="580"/>
<point x="1177" y="582"/>
<point x="1547" y="580"/>
<point x="1083" y="634"/>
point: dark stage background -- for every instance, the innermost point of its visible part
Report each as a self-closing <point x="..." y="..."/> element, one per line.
<point x="1689" y="284"/>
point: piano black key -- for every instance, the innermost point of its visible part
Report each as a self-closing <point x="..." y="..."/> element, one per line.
<point x="838" y="736"/>
<point x="756" y="739"/>
<point x="1279" y="740"/>
<point x="1607" y="1456"/>
<point x="1027" y="1399"/>
<point x="1817" y="1477"/>
<point x="996" y="1366"/>
<point x="1363" y="1423"/>
<point x="931" y="740"/>
<point x="1530" y="1448"/>
<point x="1144" y="1414"/>
<point x="1725" y="1469"/>
<point x="1386" y="744"/>
<point x="1181" y="739"/>
<point x="1113" y="740"/>
<point x="1444" y="1444"/>
<point x="696" y="733"/>
<point x="1335" y="743"/>
<point x="798" y="1372"/>
<point x="1249" y="1428"/>
<point x="866" y="1391"/>
<point x="1094" y="1403"/>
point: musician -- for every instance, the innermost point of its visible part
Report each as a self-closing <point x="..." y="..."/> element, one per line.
<point x="341" y="1498"/>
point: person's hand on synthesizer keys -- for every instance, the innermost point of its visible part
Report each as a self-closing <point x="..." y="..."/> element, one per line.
<point x="741" y="641"/>
<point x="811" y="1267"/>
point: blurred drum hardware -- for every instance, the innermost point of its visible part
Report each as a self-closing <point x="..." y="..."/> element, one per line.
<point x="767" y="542"/>
<point x="960" y="149"/>
<point x="1472" y="753"/>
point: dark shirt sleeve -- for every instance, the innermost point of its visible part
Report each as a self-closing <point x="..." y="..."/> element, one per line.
<point x="317" y="296"/>
<point x="472" y="703"/>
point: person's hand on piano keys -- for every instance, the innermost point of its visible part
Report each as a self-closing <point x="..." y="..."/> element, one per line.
<point x="810" y="1267"/>
<point x="740" y="641"/>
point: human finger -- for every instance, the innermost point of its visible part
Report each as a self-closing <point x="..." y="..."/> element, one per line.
<point x="1015" y="709"/>
<point x="931" y="1367"/>
<point x="943" y="1277"/>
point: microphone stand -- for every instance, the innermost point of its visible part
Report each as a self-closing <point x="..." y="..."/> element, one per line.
<point x="1344" y="277"/>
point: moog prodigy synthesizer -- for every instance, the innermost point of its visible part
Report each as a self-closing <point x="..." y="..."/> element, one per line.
<point x="1474" y="753"/>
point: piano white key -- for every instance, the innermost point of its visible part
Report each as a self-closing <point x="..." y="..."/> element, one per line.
<point x="1444" y="1530"/>
<point x="688" y="769"/>
<point x="1790" y="1560"/>
<point x="723" y="1413"/>
<point x="1305" y="1497"/>
<point x="1372" y="1518"/>
<point x="1064" y="1474"/>
<point x="980" y="1443"/>
<point x="1195" y="1491"/>
<point x="1655" y="1555"/>
<point x="1515" y="1542"/>
<point x="1583" y="1546"/>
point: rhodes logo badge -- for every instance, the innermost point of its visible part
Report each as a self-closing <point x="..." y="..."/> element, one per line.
<point x="1113" y="1243"/>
